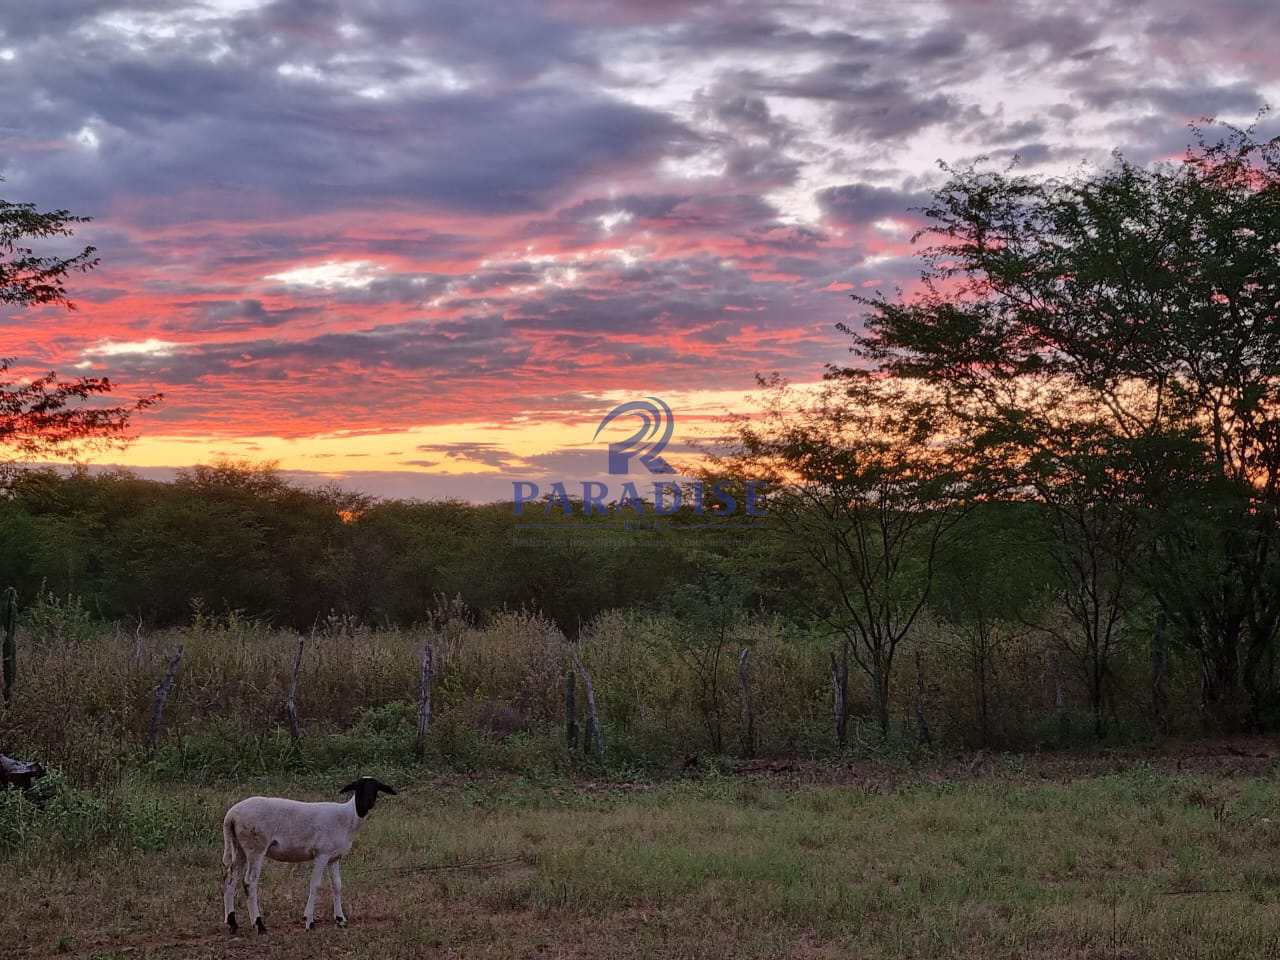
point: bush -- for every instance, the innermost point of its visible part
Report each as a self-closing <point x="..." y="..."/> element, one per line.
<point x="54" y="619"/>
<point x="59" y="819"/>
<point x="84" y="697"/>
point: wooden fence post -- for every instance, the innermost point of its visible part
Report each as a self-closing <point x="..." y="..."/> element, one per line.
<point x="570" y="711"/>
<point x="9" y="647"/>
<point x="426" y="669"/>
<point x="595" y="735"/>
<point x="840" y="693"/>
<point x="162" y="695"/>
<point x="291" y="705"/>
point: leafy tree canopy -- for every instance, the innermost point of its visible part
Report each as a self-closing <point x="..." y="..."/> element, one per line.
<point x="47" y="415"/>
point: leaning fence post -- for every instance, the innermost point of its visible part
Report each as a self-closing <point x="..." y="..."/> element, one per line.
<point x="570" y="711"/>
<point x="9" y="648"/>
<point x="424" y="698"/>
<point x="291" y="705"/>
<point x="162" y="694"/>
<point x="595" y="735"/>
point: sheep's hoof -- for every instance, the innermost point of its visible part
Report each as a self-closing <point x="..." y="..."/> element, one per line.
<point x="259" y="925"/>
<point x="231" y="921"/>
<point x="341" y="922"/>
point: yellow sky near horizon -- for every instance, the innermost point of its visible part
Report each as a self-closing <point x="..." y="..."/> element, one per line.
<point x="699" y="415"/>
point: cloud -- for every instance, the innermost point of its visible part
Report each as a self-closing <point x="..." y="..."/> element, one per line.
<point x="357" y="216"/>
<point x="236" y="315"/>
<point x="488" y="454"/>
<point x="1181" y="100"/>
<point x="859" y="204"/>
<point x="281" y="155"/>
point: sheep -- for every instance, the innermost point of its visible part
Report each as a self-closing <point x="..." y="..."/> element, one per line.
<point x="292" y="832"/>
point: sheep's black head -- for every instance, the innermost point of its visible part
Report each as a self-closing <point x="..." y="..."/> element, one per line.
<point x="366" y="791"/>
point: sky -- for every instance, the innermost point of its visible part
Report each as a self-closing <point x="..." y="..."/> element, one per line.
<point x="422" y="248"/>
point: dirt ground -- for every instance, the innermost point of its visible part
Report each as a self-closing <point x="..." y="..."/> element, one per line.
<point x="1154" y="853"/>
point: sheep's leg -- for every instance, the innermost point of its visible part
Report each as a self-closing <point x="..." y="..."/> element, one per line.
<point x="335" y="873"/>
<point x="317" y="878"/>
<point x="252" y="875"/>
<point x="229" y="890"/>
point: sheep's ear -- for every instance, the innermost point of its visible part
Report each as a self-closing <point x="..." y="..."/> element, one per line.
<point x="383" y="788"/>
<point x="350" y="787"/>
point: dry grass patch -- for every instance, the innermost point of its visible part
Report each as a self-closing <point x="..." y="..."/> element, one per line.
<point x="1134" y="865"/>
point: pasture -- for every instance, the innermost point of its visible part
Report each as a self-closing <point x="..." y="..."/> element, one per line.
<point x="505" y="843"/>
<point x="1015" y="857"/>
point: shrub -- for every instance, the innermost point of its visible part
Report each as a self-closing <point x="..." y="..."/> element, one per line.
<point x="59" y="819"/>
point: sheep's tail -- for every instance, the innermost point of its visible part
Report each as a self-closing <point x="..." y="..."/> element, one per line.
<point x="230" y="845"/>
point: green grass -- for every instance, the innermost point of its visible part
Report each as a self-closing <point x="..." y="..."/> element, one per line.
<point x="1140" y="864"/>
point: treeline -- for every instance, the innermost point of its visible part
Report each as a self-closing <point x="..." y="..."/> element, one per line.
<point x="227" y="538"/>
<point x="995" y="657"/>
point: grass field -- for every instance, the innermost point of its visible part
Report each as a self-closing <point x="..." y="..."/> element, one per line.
<point x="1012" y="862"/>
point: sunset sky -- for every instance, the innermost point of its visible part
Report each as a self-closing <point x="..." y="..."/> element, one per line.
<point x="423" y="247"/>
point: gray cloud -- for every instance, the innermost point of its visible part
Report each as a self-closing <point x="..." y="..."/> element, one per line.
<point x="858" y="204"/>
<point x="448" y="351"/>
<point x="488" y="454"/>
<point x="1183" y="100"/>
<point x="237" y="314"/>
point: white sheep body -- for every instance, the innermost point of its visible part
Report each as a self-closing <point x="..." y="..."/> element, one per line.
<point x="292" y="831"/>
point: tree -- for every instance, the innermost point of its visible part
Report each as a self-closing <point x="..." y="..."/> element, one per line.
<point x="1096" y="530"/>
<point x="1215" y="573"/>
<point x="1139" y="302"/>
<point x="27" y="278"/>
<point x="989" y="580"/>
<point x="47" y="415"/>
<point x="708" y="612"/>
<point x="863" y="488"/>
